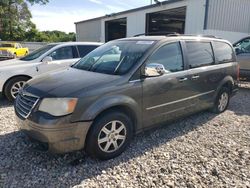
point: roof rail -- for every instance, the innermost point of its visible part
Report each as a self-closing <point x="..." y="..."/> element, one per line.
<point x="208" y="36"/>
<point x="173" y="34"/>
<point x="156" y="34"/>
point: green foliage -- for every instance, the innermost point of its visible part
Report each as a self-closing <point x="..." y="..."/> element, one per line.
<point x="54" y="36"/>
<point x="16" y="24"/>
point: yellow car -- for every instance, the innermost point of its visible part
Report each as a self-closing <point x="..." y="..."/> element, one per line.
<point x="10" y="50"/>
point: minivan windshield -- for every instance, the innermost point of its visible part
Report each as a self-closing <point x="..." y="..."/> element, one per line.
<point x="115" y="57"/>
<point x="37" y="53"/>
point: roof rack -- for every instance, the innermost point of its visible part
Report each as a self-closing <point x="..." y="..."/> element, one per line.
<point x="172" y="34"/>
<point x="156" y="34"/>
<point x="208" y="36"/>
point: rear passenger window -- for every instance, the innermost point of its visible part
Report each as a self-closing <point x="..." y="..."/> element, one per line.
<point x="84" y="50"/>
<point x="170" y="56"/>
<point x="199" y="54"/>
<point x="223" y="52"/>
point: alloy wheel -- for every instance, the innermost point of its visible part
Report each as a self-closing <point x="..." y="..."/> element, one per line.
<point x="223" y="101"/>
<point x="16" y="88"/>
<point x="112" y="136"/>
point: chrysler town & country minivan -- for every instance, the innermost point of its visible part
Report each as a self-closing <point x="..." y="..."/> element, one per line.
<point x="124" y="87"/>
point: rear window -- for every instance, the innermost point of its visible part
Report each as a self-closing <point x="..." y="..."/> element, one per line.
<point x="223" y="52"/>
<point x="84" y="50"/>
<point x="199" y="54"/>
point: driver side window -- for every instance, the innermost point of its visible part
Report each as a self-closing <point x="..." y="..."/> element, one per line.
<point x="244" y="46"/>
<point x="170" y="56"/>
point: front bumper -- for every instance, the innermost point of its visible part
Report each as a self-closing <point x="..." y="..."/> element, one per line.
<point x="61" y="138"/>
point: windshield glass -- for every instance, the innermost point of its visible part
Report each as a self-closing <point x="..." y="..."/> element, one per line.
<point x="116" y="57"/>
<point x="37" y="53"/>
<point x="7" y="45"/>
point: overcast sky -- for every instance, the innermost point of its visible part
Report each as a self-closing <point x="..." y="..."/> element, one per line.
<point x="61" y="14"/>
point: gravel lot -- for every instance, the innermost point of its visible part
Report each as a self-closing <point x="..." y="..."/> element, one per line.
<point x="203" y="150"/>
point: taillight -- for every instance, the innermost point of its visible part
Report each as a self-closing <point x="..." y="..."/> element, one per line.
<point x="238" y="72"/>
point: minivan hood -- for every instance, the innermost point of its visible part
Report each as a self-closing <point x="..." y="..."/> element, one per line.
<point x="67" y="82"/>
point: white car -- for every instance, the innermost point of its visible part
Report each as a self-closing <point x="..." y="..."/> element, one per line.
<point x="14" y="73"/>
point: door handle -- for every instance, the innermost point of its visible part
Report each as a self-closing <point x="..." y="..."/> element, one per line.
<point x="183" y="79"/>
<point x="195" y="77"/>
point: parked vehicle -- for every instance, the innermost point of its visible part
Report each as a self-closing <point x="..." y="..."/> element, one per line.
<point x="15" y="73"/>
<point x="124" y="87"/>
<point x="242" y="49"/>
<point x="10" y="50"/>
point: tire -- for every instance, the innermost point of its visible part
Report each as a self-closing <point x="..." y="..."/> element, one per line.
<point x="100" y="142"/>
<point x="13" y="86"/>
<point x="222" y="101"/>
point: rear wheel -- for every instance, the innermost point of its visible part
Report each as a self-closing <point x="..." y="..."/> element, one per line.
<point x="13" y="87"/>
<point x="109" y="135"/>
<point x="222" y="100"/>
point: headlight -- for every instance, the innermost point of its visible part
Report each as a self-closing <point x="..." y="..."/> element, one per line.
<point x="58" y="106"/>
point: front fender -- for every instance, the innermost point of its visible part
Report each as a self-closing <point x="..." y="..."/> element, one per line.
<point x="108" y="102"/>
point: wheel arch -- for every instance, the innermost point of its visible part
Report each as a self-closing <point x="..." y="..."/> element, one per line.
<point x="226" y="82"/>
<point x="16" y="76"/>
<point x="123" y="104"/>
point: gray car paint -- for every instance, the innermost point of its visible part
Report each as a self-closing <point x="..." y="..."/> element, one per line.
<point x="98" y="92"/>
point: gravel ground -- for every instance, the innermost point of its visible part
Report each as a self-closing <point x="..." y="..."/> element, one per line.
<point x="203" y="150"/>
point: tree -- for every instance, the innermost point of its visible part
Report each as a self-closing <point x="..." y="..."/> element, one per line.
<point x="15" y="18"/>
<point x="16" y="24"/>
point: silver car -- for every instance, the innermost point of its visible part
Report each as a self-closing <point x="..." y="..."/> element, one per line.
<point x="242" y="49"/>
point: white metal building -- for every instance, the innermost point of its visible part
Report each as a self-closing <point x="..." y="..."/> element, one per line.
<point x="229" y="19"/>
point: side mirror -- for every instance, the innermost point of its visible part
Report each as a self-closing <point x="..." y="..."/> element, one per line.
<point x="154" y="70"/>
<point x="237" y="51"/>
<point x="47" y="59"/>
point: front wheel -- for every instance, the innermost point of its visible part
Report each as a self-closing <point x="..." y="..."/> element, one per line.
<point x="109" y="135"/>
<point x="222" y="101"/>
<point x="13" y="87"/>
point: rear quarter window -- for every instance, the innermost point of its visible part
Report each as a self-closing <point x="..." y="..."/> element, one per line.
<point x="85" y="49"/>
<point x="199" y="54"/>
<point x="223" y="52"/>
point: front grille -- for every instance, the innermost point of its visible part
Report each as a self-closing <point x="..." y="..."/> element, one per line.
<point x="25" y="103"/>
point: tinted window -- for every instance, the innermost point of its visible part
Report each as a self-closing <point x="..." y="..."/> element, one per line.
<point x="170" y="56"/>
<point x="223" y="52"/>
<point x="84" y="50"/>
<point x="62" y="53"/>
<point x="199" y="54"/>
<point x="243" y="46"/>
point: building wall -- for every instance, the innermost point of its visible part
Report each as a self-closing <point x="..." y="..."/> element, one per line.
<point x="228" y="35"/>
<point x="89" y="31"/>
<point x="136" y="21"/>
<point x="229" y="19"/>
<point x="229" y="15"/>
<point x="195" y="16"/>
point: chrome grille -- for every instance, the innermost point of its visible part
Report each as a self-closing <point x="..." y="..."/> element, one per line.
<point x="25" y="103"/>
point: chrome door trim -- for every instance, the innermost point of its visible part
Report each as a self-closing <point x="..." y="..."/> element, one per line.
<point x="181" y="100"/>
<point x="134" y="81"/>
